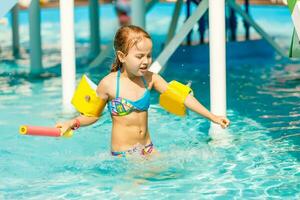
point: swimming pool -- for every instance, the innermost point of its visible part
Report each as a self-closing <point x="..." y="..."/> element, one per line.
<point x="262" y="162"/>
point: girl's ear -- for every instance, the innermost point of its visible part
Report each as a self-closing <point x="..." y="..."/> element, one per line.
<point x="121" y="56"/>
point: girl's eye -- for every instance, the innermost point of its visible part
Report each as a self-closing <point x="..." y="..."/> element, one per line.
<point x="139" y="57"/>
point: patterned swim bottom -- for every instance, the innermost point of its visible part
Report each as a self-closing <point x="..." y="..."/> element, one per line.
<point x="138" y="149"/>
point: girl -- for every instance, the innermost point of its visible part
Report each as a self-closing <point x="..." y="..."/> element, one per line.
<point x="126" y="90"/>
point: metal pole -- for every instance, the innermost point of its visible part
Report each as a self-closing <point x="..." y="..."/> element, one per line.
<point x="35" y="37"/>
<point x="138" y="17"/>
<point x="232" y="24"/>
<point x="217" y="50"/>
<point x="94" y="27"/>
<point x="67" y="51"/>
<point x="15" y="31"/>
<point x="202" y="28"/>
<point x="246" y="25"/>
<point x="188" y="14"/>
<point x="174" y="21"/>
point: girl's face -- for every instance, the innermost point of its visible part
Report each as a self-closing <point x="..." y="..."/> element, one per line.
<point x="139" y="58"/>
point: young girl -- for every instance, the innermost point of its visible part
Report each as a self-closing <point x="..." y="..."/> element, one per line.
<point x="126" y="91"/>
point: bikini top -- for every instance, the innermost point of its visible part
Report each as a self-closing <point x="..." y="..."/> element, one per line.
<point x="122" y="106"/>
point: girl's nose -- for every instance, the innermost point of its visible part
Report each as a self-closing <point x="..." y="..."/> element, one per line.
<point x="146" y="60"/>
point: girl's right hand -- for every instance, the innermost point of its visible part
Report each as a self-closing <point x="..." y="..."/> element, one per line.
<point x="221" y="120"/>
<point x="64" y="126"/>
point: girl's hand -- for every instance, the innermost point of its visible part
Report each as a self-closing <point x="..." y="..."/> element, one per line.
<point x="221" y="120"/>
<point x="64" y="127"/>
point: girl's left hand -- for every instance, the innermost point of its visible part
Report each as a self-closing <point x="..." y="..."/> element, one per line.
<point x="221" y="120"/>
<point x="64" y="126"/>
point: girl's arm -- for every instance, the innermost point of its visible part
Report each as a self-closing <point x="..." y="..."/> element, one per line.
<point x="82" y="120"/>
<point x="191" y="102"/>
<point x="76" y="122"/>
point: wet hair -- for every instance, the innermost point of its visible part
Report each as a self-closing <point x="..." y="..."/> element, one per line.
<point x="125" y="38"/>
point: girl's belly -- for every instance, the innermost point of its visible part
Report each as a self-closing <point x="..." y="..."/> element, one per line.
<point x="129" y="130"/>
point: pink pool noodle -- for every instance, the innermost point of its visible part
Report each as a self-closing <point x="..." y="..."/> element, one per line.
<point x="40" y="131"/>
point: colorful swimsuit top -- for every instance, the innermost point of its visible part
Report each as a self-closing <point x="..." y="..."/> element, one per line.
<point x="121" y="106"/>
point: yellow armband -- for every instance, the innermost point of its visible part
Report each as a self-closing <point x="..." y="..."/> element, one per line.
<point x="86" y="100"/>
<point x="173" y="98"/>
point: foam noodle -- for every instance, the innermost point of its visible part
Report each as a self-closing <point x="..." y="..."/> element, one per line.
<point x="43" y="131"/>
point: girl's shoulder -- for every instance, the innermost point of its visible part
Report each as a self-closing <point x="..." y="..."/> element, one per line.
<point x="108" y="78"/>
<point x="106" y="84"/>
<point x="106" y="81"/>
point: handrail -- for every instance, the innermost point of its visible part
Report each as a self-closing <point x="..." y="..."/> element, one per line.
<point x="174" y="22"/>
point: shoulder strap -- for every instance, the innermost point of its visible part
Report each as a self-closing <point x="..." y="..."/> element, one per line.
<point x="118" y="82"/>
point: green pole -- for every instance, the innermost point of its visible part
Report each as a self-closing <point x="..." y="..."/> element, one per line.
<point x="35" y="37"/>
<point x="15" y="31"/>
<point x="138" y="17"/>
<point x="94" y="27"/>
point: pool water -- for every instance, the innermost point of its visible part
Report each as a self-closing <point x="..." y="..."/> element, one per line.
<point x="261" y="162"/>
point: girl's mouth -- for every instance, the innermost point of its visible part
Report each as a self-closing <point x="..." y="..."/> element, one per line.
<point x="144" y="68"/>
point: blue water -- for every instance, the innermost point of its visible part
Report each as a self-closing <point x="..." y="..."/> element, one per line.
<point x="261" y="162"/>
